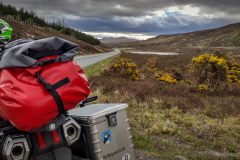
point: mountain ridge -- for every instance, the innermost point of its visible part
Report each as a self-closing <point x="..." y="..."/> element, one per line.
<point x="226" y="38"/>
<point x="116" y="40"/>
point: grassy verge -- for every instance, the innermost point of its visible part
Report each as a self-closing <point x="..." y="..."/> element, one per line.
<point x="99" y="50"/>
<point x="172" y="134"/>
<point x="95" y="69"/>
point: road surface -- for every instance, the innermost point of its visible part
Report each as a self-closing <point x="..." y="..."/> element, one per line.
<point x="85" y="61"/>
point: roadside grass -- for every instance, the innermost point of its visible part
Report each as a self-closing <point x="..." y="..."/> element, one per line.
<point x="169" y="133"/>
<point x="191" y="138"/>
<point x="174" y="121"/>
<point x="99" y="50"/>
<point x="95" y="69"/>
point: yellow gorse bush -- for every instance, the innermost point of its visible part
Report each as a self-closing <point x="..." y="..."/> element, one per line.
<point x="209" y="60"/>
<point x="202" y="87"/>
<point x="234" y="73"/>
<point x="220" y="54"/>
<point x="160" y="76"/>
<point x="211" y="69"/>
<point x="151" y="64"/>
<point x="177" y="74"/>
<point x="127" y="69"/>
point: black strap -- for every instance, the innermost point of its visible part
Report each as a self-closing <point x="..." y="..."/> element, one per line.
<point x="52" y="89"/>
<point x="61" y="58"/>
<point x="61" y="83"/>
<point x="46" y="62"/>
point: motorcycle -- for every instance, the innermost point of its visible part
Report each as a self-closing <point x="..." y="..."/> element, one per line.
<point x="92" y="132"/>
<point x="78" y="135"/>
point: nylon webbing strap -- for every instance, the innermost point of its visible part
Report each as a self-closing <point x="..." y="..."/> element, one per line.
<point x="60" y="58"/>
<point x="52" y="89"/>
<point x="58" y="100"/>
<point x="61" y="83"/>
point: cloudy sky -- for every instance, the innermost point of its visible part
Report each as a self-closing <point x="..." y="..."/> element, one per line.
<point x="139" y="19"/>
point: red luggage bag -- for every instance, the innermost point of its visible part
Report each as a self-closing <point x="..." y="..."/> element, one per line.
<point x="31" y="97"/>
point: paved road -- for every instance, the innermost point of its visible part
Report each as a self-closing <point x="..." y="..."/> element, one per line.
<point x="85" y="61"/>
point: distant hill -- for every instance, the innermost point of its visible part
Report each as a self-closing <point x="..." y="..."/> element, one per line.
<point x="227" y="37"/>
<point x="107" y="40"/>
<point x="224" y="36"/>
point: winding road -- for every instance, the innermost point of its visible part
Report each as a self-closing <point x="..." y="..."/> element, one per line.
<point x="86" y="61"/>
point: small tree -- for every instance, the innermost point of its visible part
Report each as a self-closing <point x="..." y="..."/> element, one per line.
<point x="17" y="16"/>
<point x="9" y="17"/>
<point x="63" y="30"/>
<point x="29" y="20"/>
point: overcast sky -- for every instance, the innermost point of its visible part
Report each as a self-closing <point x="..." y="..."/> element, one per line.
<point x="139" y="19"/>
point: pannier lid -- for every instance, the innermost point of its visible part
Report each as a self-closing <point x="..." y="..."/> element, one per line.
<point x="97" y="110"/>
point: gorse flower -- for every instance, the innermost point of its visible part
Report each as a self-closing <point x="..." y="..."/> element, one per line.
<point x="160" y="76"/>
<point x="151" y="64"/>
<point x="203" y="60"/>
<point x="234" y="73"/>
<point x="202" y="87"/>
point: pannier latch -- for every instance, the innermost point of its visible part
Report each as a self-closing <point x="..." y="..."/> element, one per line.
<point x="112" y="119"/>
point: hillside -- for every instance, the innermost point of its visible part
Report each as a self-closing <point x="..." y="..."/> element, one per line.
<point x="225" y="38"/>
<point x="10" y="11"/>
<point x="107" y="40"/>
<point x="22" y="30"/>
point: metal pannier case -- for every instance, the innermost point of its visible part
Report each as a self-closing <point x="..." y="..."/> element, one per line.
<point x="106" y="132"/>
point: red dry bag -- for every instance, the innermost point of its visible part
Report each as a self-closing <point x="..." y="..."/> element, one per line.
<point x="31" y="96"/>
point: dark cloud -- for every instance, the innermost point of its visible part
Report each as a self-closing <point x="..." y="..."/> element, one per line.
<point x="171" y="20"/>
<point x="165" y="25"/>
<point x="130" y="8"/>
<point x="127" y="16"/>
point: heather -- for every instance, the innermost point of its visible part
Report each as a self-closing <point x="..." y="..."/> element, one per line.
<point x="186" y="105"/>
